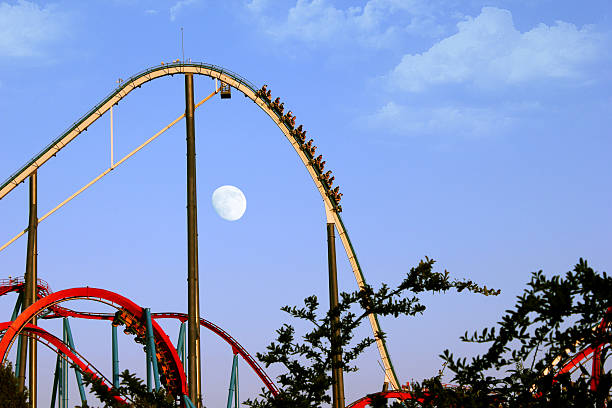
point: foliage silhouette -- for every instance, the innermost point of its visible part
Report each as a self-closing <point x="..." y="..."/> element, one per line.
<point x="554" y="318"/>
<point x="551" y="321"/>
<point x="10" y="396"/>
<point x="308" y="363"/>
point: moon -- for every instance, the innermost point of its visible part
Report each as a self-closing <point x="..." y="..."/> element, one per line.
<point x="229" y="202"/>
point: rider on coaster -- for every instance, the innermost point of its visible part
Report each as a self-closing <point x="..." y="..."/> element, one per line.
<point x="325" y="177"/>
<point x="262" y="91"/>
<point x="288" y="117"/>
<point x="336" y="193"/>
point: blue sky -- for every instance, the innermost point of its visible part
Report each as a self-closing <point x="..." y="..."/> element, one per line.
<point x="476" y="133"/>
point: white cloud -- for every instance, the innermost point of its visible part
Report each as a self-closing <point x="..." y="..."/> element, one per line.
<point x="443" y="121"/>
<point x="379" y="23"/>
<point x="257" y="5"/>
<point x="489" y="50"/>
<point x="25" y="28"/>
<point x="178" y="6"/>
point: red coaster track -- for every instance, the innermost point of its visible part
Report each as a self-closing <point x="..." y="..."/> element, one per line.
<point x="49" y="302"/>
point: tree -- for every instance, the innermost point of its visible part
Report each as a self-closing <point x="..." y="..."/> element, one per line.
<point x="553" y="319"/>
<point x="308" y="360"/>
<point x="10" y="396"/>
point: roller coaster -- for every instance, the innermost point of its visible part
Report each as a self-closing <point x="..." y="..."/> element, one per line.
<point x="168" y="365"/>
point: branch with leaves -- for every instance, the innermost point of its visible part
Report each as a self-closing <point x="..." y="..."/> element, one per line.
<point x="307" y="360"/>
<point x="553" y="319"/>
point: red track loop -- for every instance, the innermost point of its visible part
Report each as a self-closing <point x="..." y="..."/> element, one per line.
<point x="400" y="395"/>
<point x="15" y="285"/>
<point x="178" y="387"/>
<point x="60" y="347"/>
<point x="594" y="350"/>
<point x="236" y="347"/>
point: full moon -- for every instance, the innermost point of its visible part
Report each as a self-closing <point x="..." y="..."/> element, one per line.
<point x="229" y="202"/>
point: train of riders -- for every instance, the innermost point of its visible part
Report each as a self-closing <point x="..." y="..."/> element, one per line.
<point x="277" y="106"/>
<point x="300" y="136"/>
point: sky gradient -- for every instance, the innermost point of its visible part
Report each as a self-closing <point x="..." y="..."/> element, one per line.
<point x="475" y="133"/>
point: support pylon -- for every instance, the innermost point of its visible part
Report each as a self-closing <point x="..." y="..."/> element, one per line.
<point x="30" y="289"/>
<point x="233" y="396"/>
<point x="193" y="286"/>
<point x="336" y="347"/>
<point x="115" y="351"/>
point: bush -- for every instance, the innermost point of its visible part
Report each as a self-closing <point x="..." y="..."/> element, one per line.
<point x="10" y="396"/>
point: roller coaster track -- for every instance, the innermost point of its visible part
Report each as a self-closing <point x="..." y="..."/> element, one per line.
<point x="15" y="285"/>
<point x="250" y="91"/>
<point x="62" y="349"/>
<point x="236" y="347"/>
<point x="591" y="352"/>
<point x="176" y="383"/>
<point x="398" y="395"/>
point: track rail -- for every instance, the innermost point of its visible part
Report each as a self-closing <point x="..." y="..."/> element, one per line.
<point x="14" y="285"/>
<point x="249" y="90"/>
<point x="177" y="386"/>
<point x="399" y="395"/>
<point x="236" y="347"/>
<point x="61" y="348"/>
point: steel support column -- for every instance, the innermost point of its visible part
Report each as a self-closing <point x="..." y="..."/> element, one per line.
<point x="336" y="348"/>
<point x="56" y="379"/>
<point x="193" y="288"/>
<point x="115" y="351"/>
<point x="17" y="308"/>
<point x="22" y="341"/>
<point x="64" y="371"/>
<point x="180" y="346"/>
<point x="151" y="349"/>
<point x="149" y="370"/>
<point x="30" y="295"/>
<point x="77" y="371"/>
<point x="233" y="397"/>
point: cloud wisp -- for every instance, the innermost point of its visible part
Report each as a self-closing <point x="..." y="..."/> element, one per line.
<point x="26" y="28"/>
<point x="176" y="9"/>
<point x="487" y="78"/>
<point x="378" y="24"/>
<point x="488" y="50"/>
<point x="445" y="120"/>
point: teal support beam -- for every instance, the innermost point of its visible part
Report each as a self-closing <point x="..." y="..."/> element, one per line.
<point x="180" y="346"/>
<point x="237" y="394"/>
<point x="188" y="402"/>
<point x="16" y="311"/>
<point x="77" y="371"/>
<point x="55" y="380"/>
<point x="115" y="358"/>
<point x="149" y="372"/>
<point x="22" y="353"/>
<point x="64" y="372"/>
<point x="151" y="348"/>
<point x="233" y="387"/>
<point x="18" y="361"/>
<point x="17" y="308"/>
